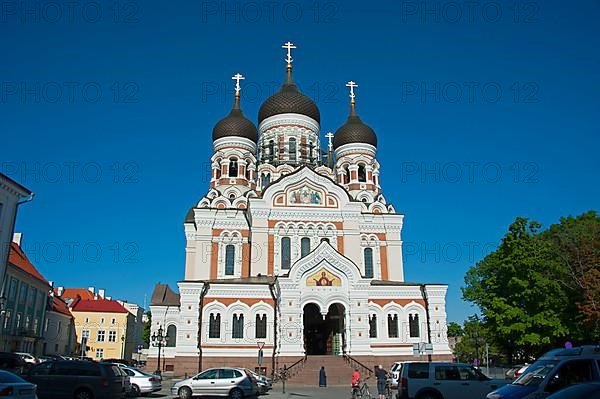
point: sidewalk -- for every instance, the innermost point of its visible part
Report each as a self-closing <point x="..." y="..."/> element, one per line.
<point x="298" y="392"/>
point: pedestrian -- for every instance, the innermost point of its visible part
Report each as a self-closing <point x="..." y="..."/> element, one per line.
<point x="381" y="376"/>
<point x="322" y="377"/>
<point x="355" y="383"/>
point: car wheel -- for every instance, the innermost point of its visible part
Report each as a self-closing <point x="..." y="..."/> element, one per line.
<point x="236" y="394"/>
<point x="429" y="395"/>
<point x="84" y="394"/>
<point x="135" y="390"/>
<point x="184" y="393"/>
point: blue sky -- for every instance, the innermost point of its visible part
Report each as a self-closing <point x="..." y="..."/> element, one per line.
<point x="483" y="113"/>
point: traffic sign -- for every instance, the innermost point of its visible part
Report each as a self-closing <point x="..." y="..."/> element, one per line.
<point x="260" y="344"/>
<point x="260" y="357"/>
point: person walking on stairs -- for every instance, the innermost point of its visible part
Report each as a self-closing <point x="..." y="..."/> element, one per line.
<point x="322" y="377"/>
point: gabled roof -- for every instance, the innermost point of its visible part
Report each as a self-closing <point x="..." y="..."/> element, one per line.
<point x="74" y="293"/>
<point x="59" y="306"/>
<point x="99" y="305"/>
<point x="164" y="296"/>
<point x="19" y="260"/>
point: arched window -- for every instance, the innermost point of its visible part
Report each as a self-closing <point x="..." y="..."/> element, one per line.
<point x="247" y="171"/>
<point x="265" y="179"/>
<point x="214" y="326"/>
<point x="292" y="149"/>
<point x="346" y="175"/>
<point x="368" y="263"/>
<point x="413" y="325"/>
<point x="237" y="330"/>
<point x="271" y="150"/>
<point x="171" y="336"/>
<point x="218" y="168"/>
<point x="261" y="326"/>
<point x="304" y="247"/>
<point x="286" y="258"/>
<point x="362" y="173"/>
<point x="373" y="326"/>
<point x="233" y="167"/>
<point x="229" y="260"/>
<point x="392" y="326"/>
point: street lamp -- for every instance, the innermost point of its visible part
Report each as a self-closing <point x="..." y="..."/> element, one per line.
<point x="158" y="340"/>
<point x="123" y="346"/>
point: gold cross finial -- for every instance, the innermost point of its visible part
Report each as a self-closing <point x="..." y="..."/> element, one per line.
<point x="237" y="77"/>
<point x="289" y="46"/>
<point x="351" y="84"/>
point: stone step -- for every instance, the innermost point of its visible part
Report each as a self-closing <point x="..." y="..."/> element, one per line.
<point x="338" y="372"/>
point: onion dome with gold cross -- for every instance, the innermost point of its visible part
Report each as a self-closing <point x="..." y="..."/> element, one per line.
<point x="235" y="124"/>
<point x="354" y="130"/>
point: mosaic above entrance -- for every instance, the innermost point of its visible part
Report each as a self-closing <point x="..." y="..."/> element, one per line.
<point x="323" y="278"/>
<point x="305" y="196"/>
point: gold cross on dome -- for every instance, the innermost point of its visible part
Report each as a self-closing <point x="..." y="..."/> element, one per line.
<point x="289" y="46"/>
<point x="351" y="84"/>
<point x="237" y="77"/>
<point x="329" y="136"/>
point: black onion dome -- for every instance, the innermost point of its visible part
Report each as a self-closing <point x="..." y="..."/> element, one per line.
<point x="354" y="131"/>
<point x="235" y="124"/>
<point x="289" y="100"/>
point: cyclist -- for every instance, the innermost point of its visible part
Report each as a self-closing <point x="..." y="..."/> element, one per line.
<point x="355" y="383"/>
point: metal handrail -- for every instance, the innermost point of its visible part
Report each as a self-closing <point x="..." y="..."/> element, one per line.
<point x="352" y="360"/>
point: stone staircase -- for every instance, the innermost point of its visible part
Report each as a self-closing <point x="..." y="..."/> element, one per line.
<point x="339" y="372"/>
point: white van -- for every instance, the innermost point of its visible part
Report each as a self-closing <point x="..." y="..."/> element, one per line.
<point x="395" y="373"/>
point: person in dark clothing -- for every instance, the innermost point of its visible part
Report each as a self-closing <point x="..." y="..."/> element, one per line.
<point x="322" y="377"/>
<point x="381" y="376"/>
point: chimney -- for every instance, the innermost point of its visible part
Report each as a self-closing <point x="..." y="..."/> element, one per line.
<point x="109" y="298"/>
<point x="60" y="290"/>
<point x="101" y="292"/>
<point x="91" y="289"/>
<point x="18" y="238"/>
<point x="51" y="283"/>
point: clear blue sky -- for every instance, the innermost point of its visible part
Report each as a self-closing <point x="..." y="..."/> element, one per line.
<point x="106" y="114"/>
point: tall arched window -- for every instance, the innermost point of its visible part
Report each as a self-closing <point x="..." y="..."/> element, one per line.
<point x="392" y="326"/>
<point x="368" y="263"/>
<point x="373" y="326"/>
<point x="265" y="179"/>
<point x="233" y="167"/>
<point x="214" y="326"/>
<point x="304" y="247"/>
<point x="362" y="173"/>
<point x="413" y="325"/>
<point x="271" y="150"/>
<point x="286" y="258"/>
<point x="171" y="336"/>
<point x="218" y="169"/>
<point x="247" y="170"/>
<point x="261" y="326"/>
<point x="229" y="260"/>
<point x="237" y="330"/>
<point x="292" y="149"/>
<point x="346" y="175"/>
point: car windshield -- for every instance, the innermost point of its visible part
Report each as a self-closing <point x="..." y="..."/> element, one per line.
<point x="535" y="374"/>
<point x="7" y="378"/>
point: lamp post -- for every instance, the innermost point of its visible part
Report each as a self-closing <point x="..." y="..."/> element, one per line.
<point x="123" y="346"/>
<point x="158" y="340"/>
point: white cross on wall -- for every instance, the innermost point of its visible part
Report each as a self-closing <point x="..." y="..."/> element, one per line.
<point x="351" y="85"/>
<point x="289" y="46"/>
<point x="237" y="77"/>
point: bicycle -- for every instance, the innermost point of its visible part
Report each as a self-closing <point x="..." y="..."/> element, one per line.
<point x="389" y="393"/>
<point x="362" y="391"/>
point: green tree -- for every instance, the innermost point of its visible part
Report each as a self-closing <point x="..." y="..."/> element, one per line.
<point x="472" y="341"/>
<point x="146" y="333"/>
<point x="523" y="305"/>
<point x="455" y="329"/>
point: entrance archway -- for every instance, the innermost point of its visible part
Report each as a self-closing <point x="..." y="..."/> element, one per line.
<point x="324" y="336"/>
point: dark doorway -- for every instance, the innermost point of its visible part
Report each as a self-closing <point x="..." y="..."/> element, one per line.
<point x="324" y="336"/>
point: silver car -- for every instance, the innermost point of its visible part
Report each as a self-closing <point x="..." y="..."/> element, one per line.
<point x="142" y="382"/>
<point x="235" y="383"/>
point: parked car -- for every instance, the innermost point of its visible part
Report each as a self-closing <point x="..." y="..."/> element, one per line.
<point x="265" y="384"/>
<point x="395" y="373"/>
<point x="13" y="386"/>
<point x="553" y="372"/>
<point x="73" y="379"/>
<point x="12" y="362"/>
<point x="28" y="357"/>
<point x="516" y="371"/>
<point x="440" y="380"/>
<point x="225" y="381"/>
<point x="141" y="382"/>
<point x="50" y="358"/>
<point x="589" y="390"/>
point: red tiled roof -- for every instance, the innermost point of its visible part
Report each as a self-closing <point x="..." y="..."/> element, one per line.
<point x="59" y="306"/>
<point x="18" y="259"/>
<point x="73" y="293"/>
<point x="99" y="305"/>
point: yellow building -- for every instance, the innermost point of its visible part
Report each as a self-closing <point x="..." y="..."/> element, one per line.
<point x="105" y="328"/>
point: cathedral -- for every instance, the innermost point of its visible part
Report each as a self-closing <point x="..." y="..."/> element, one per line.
<point x="294" y="251"/>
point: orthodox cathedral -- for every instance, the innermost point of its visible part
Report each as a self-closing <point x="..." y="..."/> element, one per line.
<point x="294" y="250"/>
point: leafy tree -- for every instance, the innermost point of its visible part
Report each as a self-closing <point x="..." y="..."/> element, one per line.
<point x="146" y="333"/>
<point x="455" y="329"/>
<point x="472" y="341"/>
<point x="524" y="307"/>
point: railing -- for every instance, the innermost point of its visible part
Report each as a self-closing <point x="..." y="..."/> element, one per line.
<point x="363" y="369"/>
<point x="291" y="371"/>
